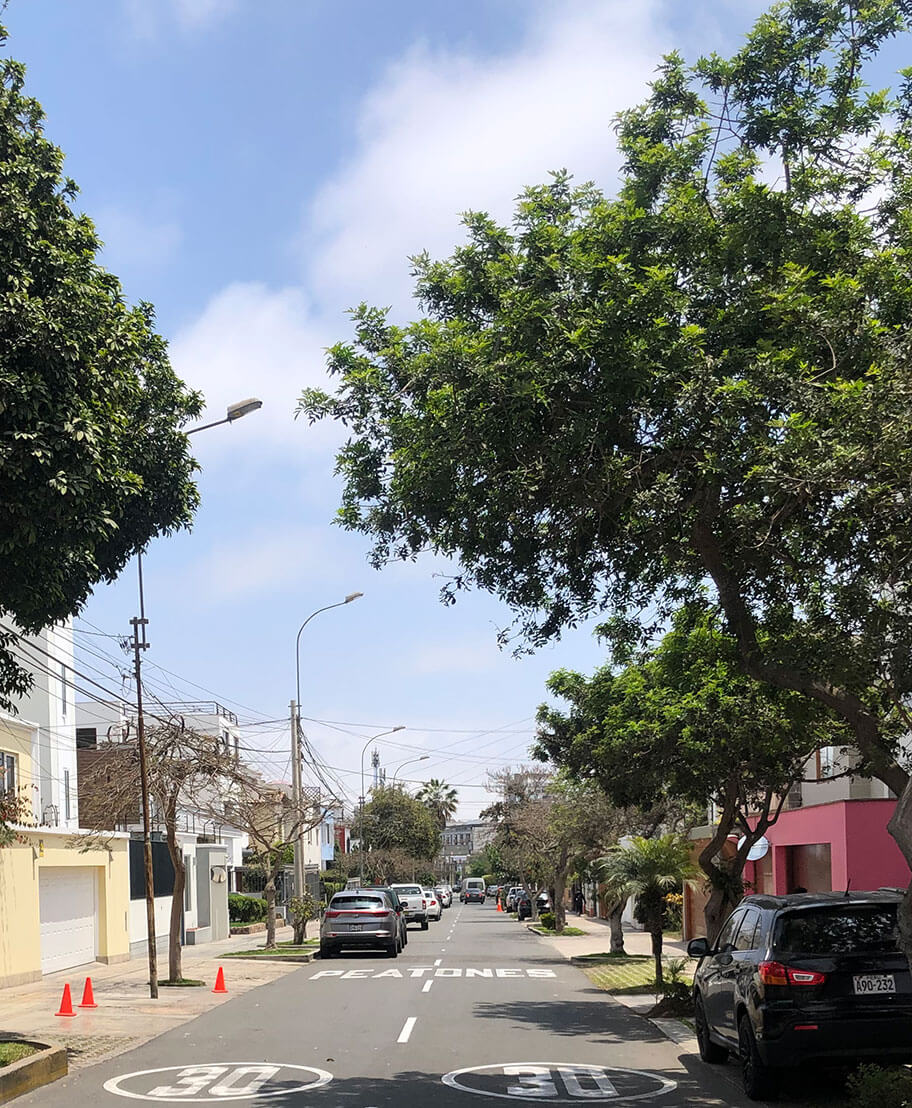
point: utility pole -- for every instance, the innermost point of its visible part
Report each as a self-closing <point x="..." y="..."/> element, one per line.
<point x="138" y="623"/>
<point x="296" y="800"/>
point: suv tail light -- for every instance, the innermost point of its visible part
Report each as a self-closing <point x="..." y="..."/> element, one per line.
<point x="775" y="973"/>
<point x="331" y="913"/>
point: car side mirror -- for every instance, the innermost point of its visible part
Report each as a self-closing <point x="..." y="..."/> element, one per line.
<point x="698" y="948"/>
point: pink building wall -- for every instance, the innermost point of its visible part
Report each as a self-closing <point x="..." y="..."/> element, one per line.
<point x="862" y="853"/>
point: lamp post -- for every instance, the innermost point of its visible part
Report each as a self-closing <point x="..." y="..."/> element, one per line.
<point x="139" y="624"/>
<point x="296" y="783"/>
<point x="408" y="762"/>
<point x="373" y="738"/>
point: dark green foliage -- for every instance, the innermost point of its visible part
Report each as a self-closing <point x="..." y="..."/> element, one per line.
<point x="874" y="1087"/>
<point x="395" y="821"/>
<point x="93" y="462"/>
<point x="246" y="909"/>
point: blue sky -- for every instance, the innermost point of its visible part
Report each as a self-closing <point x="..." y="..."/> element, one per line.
<point x="255" y="168"/>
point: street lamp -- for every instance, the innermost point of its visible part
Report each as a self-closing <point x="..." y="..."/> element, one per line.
<point x="408" y="762"/>
<point x="234" y="411"/>
<point x="373" y="738"/>
<point x="296" y="784"/>
<point x="139" y="624"/>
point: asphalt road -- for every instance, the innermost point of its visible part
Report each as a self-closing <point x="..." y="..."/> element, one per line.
<point x="475" y="1010"/>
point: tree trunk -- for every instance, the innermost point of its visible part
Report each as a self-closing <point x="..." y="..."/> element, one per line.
<point x="900" y="827"/>
<point x="655" y="932"/>
<point x="616" y="928"/>
<point x="270" y="893"/>
<point x="175" y="966"/>
<point x="560" y="887"/>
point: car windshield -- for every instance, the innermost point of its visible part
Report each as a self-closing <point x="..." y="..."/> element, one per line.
<point x="350" y="903"/>
<point x="409" y="890"/>
<point x="838" y="930"/>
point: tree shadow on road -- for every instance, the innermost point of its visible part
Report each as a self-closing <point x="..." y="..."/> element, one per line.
<point x="589" y="1017"/>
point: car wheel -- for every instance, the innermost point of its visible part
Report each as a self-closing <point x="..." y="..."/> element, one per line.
<point x="758" y="1080"/>
<point x="709" y="1051"/>
<point x="424" y="925"/>
<point x="326" y="951"/>
<point x="393" y="949"/>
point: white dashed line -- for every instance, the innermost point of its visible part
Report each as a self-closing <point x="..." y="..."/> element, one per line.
<point x="407" y="1029"/>
<point x="426" y="988"/>
<point x="439" y="960"/>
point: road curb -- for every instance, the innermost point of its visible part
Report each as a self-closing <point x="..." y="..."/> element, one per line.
<point x="47" y="1065"/>
<point x="302" y="959"/>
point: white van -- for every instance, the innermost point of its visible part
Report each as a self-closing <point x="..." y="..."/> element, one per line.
<point x="473" y="888"/>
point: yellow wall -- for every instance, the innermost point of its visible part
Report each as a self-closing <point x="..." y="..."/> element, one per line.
<point x="20" y="864"/>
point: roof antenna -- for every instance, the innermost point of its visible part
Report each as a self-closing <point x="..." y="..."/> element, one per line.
<point x="848" y="886"/>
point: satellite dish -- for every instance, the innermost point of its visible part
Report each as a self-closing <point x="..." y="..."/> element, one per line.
<point x="759" y="850"/>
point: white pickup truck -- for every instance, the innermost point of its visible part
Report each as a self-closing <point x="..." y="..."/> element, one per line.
<point x="414" y="904"/>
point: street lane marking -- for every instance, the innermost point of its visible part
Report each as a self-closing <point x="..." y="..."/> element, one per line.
<point x="426" y="987"/>
<point x="407" y="1029"/>
<point x="217" y="1082"/>
<point x="437" y="970"/>
<point x="558" y="1082"/>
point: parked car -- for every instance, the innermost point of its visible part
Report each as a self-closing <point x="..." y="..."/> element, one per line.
<point x="491" y="890"/>
<point x="512" y="896"/>
<point x="398" y="905"/>
<point x="524" y="904"/>
<point x="473" y="889"/>
<point x="445" y="895"/>
<point x="434" y="907"/>
<point x="805" y="978"/>
<point x="359" y="918"/>
<point x="414" y="904"/>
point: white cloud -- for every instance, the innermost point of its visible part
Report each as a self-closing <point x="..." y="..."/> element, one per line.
<point x="131" y="240"/>
<point x="148" y="18"/>
<point x="267" y="560"/>
<point x="254" y="341"/>
<point x="443" y="132"/>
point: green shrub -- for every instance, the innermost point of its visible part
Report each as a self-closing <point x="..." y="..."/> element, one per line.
<point x="547" y="920"/>
<point x="246" y="909"/>
<point x="874" y="1087"/>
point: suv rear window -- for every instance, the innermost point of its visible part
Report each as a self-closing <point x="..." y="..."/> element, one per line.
<point x="408" y="890"/>
<point x="348" y="903"/>
<point x="848" y="930"/>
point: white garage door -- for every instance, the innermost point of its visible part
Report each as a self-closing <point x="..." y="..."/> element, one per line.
<point x="67" y="906"/>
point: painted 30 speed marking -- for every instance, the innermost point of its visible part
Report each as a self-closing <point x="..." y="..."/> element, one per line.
<point x="558" y="1082"/>
<point x="217" y="1082"/>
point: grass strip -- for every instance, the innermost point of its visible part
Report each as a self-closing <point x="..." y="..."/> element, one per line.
<point x="12" y="1052"/>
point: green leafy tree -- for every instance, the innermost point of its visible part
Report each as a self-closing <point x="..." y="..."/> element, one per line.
<point x="649" y="869"/>
<point x="93" y="463"/>
<point x="395" y="821"/>
<point x="684" y="722"/>
<point x="440" y="799"/>
<point x="303" y="909"/>
<point x="701" y="379"/>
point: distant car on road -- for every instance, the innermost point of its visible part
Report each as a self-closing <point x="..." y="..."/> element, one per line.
<point x="414" y="904"/>
<point x="434" y="907"/>
<point x="473" y="889"/>
<point x="512" y="896"/>
<point x="445" y="895"/>
<point x="491" y="890"/>
<point x="808" y="977"/>
<point x="359" y="918"/>
<point x="524" y="904"/>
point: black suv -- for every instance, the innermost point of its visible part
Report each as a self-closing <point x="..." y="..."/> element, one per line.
<point x="805" y="977"/>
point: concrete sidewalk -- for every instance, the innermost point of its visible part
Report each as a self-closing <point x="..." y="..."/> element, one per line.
<point x="597" y="940"/>
<point x="126" y="1015"/>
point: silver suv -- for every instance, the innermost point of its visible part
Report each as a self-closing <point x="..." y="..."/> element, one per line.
<point x="359" y="918"/>
<point x="414" y="904"/>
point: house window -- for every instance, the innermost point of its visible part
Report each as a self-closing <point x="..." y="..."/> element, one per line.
<point x="826" y="762"/>
<point x="86" y="738"/>
<point x="63" y="689"/>
<point x="188" y="879"/>
<point x="7" y="772"/>
<point x="66" y="794"/>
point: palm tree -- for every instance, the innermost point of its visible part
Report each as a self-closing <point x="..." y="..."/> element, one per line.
<point x="440" y="799"/>
<point x="648" y="869"/>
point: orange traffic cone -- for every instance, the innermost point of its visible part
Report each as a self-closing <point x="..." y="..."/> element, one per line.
<point x="499" y="907"/>
<point x="66" y="1003"/>
<point x="220" y="982"/>
<point x="88" y="997"/>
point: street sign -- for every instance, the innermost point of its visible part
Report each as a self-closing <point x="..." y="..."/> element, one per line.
<point x="558" y="1082"/>
<point x="217" y="1082"/>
